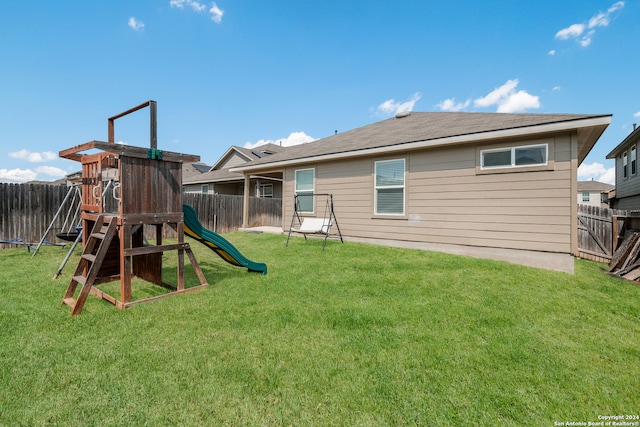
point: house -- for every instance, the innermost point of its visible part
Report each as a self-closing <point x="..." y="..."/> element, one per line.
<point x="627" y="195"/>
<point x="484" y="184"/>
<point x="199" y="178"/>
<point x="594" y="193"/>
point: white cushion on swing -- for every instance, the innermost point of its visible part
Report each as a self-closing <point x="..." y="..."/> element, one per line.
<point x="314" y="226"/>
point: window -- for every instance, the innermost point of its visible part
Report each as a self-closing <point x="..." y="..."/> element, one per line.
<point x="205" y="189"/>
<point x="266" y="190"/>
<point x="389" y="187"/>
<point x="304" y="189"/>
<point x="633" y="160"/>
<point x="585" y="196"/>
<point x="624" y="164"/>
<point x="511" y="157"/>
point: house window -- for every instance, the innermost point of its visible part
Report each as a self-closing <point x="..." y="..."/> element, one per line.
<point x="205" y="189"/>
<point x="585" y="196"/>
<point x="633" y="160"/>
<point x="512" y="157"/>
<point x="266" y="190"/>
<point x="389" y="187"/>
<point x="304" y="190"/>
<point x="624" y="164"/>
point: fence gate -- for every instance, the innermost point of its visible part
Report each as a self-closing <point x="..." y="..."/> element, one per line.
<point x="596" y="232"/>
<point x="601" y="230"/>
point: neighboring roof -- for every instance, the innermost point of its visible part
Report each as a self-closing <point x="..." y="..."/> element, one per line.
<point x="248" y="154"/>
<point x="201" y="167"/>
<point x="192" y="171"/>
<point x="419" y="130"/>
<point x="623" y="145"/>
<point x="211" y="174"/>
<point x="594" y="186"/>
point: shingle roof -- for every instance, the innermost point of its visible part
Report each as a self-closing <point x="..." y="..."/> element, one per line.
<point x="199" y="173"/>
<point x="192" y="171"/>
<point x="594" y="186"/>
<point x="393" y="133"/>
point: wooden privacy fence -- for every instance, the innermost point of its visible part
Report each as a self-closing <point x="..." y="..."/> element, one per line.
<point x="222" y="213"/>
<point x="600" y="230"/>
<point x="26" y="210"/>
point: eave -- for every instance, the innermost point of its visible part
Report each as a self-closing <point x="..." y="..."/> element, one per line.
<point x="623" y="145"/>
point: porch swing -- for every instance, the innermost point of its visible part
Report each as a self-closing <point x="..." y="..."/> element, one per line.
<point x="314" y="225"/>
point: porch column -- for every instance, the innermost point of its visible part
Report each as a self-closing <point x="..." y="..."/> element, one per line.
<point x="245" y="204"/>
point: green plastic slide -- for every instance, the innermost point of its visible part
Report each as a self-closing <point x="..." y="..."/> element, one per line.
<point x="193" y="228"/>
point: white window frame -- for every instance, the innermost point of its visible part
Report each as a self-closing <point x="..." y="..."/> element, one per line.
<point x="263" y="193"/>
<point x="625" y="171"/>
<point x="513" y="149"/>
<point x="634" y="166"/>
<point x="204" y="189"/>
<point x="302" y="192"/>
<point x="586" y="196"/>
<point x="376" y="187"/>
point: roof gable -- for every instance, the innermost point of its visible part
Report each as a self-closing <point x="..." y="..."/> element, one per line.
<point x="236" y="156"/>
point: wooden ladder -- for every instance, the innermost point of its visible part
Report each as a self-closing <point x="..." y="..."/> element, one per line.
<point x="90" y="262"/>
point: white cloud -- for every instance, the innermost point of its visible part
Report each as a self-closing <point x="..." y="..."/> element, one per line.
<point x="637" y="115"/>
<point x="450" y="105"/>
<point x="556" y="88"/>
<point x="43" y="156"/>
<point x="552" y="52"/>
<point x="518" y="102"/>
<point x="597" y="172"/>
<point x="508" y="100"/>
<point x="497" y="95"/>
<point x="576" y="31"/>
<point x="295" y="138"/>
<point x="586" y="40"/>
<point x="24" y="175"/>
<point x="214" y="10"/>
<point x="609" y="176"/>
<point x="51" y="171"/>
<point x="216" y="13"/>
<point x="602" y="19"/>
<point x="135" y="24"/>
<point x="572" y="31"/>
<point x="17" y="175"/>
<point x="391" y="107"/>
<point x="198" y="7"/>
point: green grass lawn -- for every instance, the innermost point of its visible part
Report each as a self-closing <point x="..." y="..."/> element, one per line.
<point x="356" y="335"/>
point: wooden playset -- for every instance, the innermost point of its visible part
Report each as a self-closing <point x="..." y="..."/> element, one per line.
<point x="147" y="193"/>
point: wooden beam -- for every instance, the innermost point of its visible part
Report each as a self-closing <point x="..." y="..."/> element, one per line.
<point x="145" y="250"/>
<point x="125" y="150"/>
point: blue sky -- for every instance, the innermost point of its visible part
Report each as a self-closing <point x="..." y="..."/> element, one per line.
<point x="248" y="72"/>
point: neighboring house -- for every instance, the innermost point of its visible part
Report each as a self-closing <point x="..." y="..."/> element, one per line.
<point x="627" y="195"/>
<point x="481" y="180"/>
<point x="199" y="178"/>
<point x="594" y="193"/>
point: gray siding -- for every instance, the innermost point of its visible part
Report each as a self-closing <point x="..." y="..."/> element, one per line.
<point x="448" y="201"/>
<point x="629" y="186"/>
<point x="233" y="160"/>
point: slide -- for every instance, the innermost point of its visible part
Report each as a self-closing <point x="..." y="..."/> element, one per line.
<point x="217" y="243"/>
